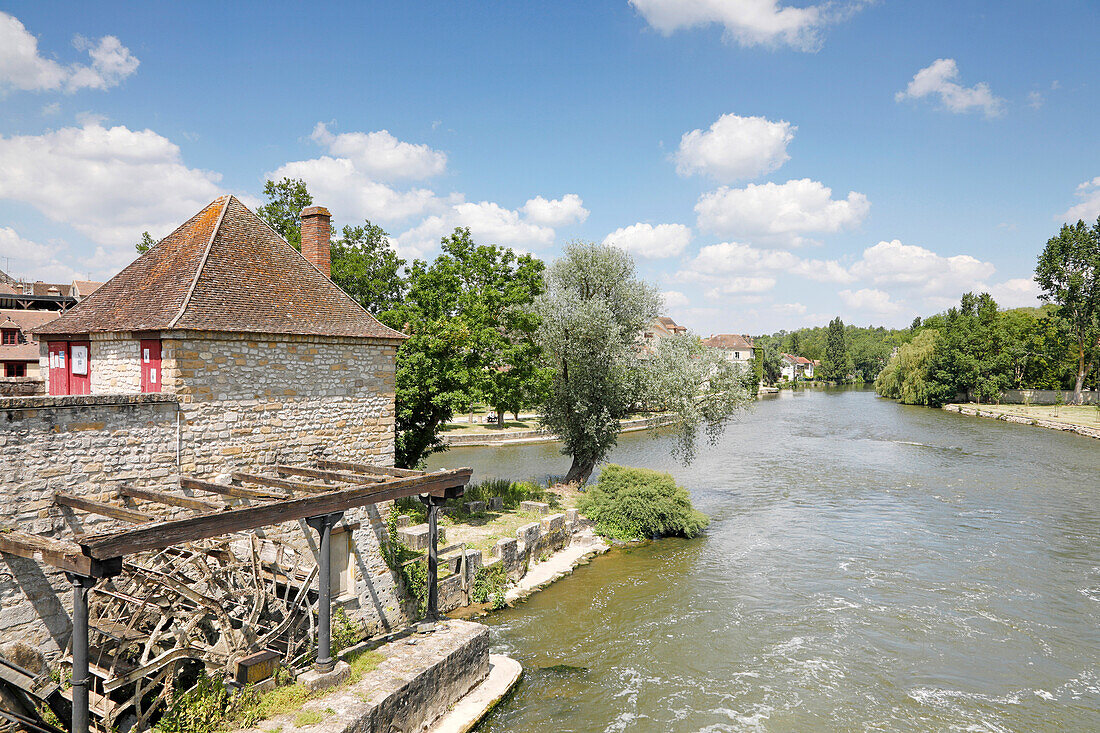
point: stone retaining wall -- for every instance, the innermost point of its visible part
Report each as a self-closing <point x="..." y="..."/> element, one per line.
<point x="1025" y="420"/>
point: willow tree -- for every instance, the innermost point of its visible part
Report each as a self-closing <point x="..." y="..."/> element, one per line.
<point x="594" y="308"/>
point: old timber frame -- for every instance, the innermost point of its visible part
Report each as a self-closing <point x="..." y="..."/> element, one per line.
<point x="174" y="526"/>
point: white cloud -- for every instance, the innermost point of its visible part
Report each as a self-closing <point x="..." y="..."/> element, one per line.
<point x="352" y="195"/>
<point x="111" y="184"/>
<point x="720" y="262"/>
<point x="870" y="300"/>
<point x="909" y="265"/>
<point x="734" y="148"/>
<point x="742" y="285"/>
<point x="675" y="299"/>
<point x="791" y="309"/>
<point x="23" y="68"/>
<point x="1089" y="208"/>
<point x="381" y="156"/>
<point x="569" y="209"/>
<point x="940" y="79"/>
<point x="780" y="211"/>
<point x="488" y="222"/>
<point x="1035" y="100"/>
<point x="35" y="261"/>
<point x="1015" y="293"/>
<point x="747" y="22"/>
<point x="651" y="242"/>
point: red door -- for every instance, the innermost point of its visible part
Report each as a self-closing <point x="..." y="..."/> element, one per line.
<point x="80" y="367"/>
<point x="59" y="367"/>
<point x="150" y="365"/>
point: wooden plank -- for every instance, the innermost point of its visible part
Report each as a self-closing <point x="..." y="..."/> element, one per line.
<point x="348" y="478"/>
<point x="281" y="483"/>
<point x="241" y="492"/>
<point x="176" y="531"/>
<point x="162" y="497"/>
<point x="67" y="556"/>
<point x="367" y="468"/>
<point x="101" y="508"/>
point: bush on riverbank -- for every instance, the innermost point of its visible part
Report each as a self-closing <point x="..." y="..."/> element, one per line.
<point x="637" y="503"/>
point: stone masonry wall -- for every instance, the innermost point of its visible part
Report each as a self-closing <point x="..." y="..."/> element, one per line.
<point x="81" y="445"/>
<point x="242" y="402"/>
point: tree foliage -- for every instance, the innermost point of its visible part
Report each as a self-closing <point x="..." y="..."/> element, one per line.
<point x="368" y="269"/>
<point x="147" y="243"/>
<point x="907" y="376"/>
<point x="282" y="212"/>
<point x="591" y="313"/>
<point x="836" y="364"/>
<point x="1068" y="272"/>
<point x="637" y="503"/>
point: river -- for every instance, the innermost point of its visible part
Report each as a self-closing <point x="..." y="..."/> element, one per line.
<point x="869" y="566"/>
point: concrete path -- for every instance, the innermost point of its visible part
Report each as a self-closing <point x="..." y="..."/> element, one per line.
<point x="561" y="563"/>
<point x="504" y="673"/>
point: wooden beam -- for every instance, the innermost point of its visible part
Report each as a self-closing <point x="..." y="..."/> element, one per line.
<point x="187" y="482"/>
<point x="161" y="497"/>
<point x="101" y="508"/>
<point x="67" y="556"/>
<point x="348" y="478"/>
<point x="176" y="531"/>
<point x="282" y="483"/>
<point x="366" y="468"/>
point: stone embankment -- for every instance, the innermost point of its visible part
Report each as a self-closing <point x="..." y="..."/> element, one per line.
<point x="1004" y="416"/>
<point x="514" y="437"/>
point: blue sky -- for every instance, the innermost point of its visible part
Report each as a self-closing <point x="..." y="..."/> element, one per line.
<point x="769" y="164"/>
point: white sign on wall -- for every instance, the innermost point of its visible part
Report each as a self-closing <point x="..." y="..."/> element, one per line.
<point x="80" y="360"/>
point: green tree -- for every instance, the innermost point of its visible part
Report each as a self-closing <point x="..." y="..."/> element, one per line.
<point x="836" y="365"/>
<point x="972" y="354"/>
<point x="146" y="243"/>
<point x="907" y="375"/>
<point x="591" y="313"/>
<point x="282" y="212"/>
<point x="766" y="359"/>
<point x="368" y="269"/>
<point x="1068" y="272"/>
<point x="461" y="313"/>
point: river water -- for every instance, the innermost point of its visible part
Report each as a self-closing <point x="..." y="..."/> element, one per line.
<point x="869" y="566"/>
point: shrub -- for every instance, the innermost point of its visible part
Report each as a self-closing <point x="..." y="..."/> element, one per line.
<point x="511" y="492"/>
<point x="488" y="585"/>
<point x="637" y="503"/>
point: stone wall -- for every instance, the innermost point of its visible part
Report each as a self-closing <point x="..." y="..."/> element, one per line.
<point x="82" y="445"/>
<point x="28" y="386"/>
<point x="1047" y="396"/>
<point x="114" y="363"/>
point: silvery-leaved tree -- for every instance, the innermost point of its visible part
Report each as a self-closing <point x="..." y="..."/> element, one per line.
<point x="591" y="316"/>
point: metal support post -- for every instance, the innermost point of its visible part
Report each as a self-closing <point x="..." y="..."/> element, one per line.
<point x="324" y="524"/>
<point x="81" y="584"/>
<point x="432" y="613"/>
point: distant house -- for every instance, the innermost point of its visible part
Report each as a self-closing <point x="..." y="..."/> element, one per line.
<point x="38" y="295"/>
<point x="660" y="328"/>
<point x="18" y="346"/>
<point x="738" y="348"/>
<point x="797" y="367"/>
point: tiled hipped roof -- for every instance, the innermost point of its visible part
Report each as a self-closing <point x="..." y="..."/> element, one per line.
<point x="729" y="341"/>
<point x="222" y="270"/>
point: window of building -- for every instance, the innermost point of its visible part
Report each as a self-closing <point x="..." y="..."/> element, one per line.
<point x="10" y="337"/>
<point x="15" y="369"/>
<point x="737" y="355"/>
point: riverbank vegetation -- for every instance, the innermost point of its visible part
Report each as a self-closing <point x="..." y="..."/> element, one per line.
<point x="637" y="503"/>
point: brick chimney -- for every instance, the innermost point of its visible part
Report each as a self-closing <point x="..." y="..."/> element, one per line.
<point x="316" y="234"/>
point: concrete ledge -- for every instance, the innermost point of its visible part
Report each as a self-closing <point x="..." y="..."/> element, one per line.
<point x="314" y="680"/>
<point x="504" y="673"/>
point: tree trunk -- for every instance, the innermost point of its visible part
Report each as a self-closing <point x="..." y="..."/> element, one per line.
<point x="1081" y="372"/>
<point x="580" y="470"/>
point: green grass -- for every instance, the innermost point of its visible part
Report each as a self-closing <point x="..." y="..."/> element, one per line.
<point x="307" y="718"/>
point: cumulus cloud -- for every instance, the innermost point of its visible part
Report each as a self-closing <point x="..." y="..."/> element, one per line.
<point x="735" y="148"/>
<point x="894" y="263"/>
<point x="35" y="261"/>
<point x="488" y="222"/>
<point x="569" y="209"/>
<point x="110" y="184"/>
<point x="1089" y="208"/>
<point x="23" y="68"/>
<point x="782" y="212"/>
<point x="675" y="299"/>
<point x="939" y="79"/>
<point x="870" y="300"/>
<point x="651" y="242"/>
<point x="381" y="156"/>
<point x="791" y="309"/>
<point x="748" y="22"/>
<point x="742" y="286"/>
<point x="741" y="268"/>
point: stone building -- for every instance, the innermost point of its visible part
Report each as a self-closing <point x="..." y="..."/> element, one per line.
<point x="735" y="347"/>
<point x="221" y="349"/>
